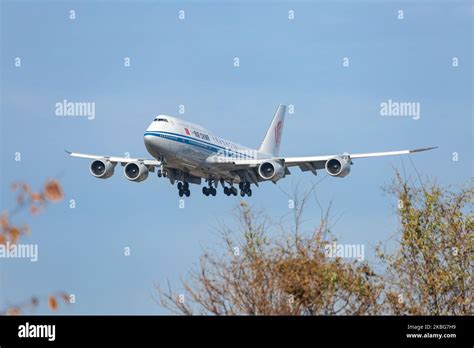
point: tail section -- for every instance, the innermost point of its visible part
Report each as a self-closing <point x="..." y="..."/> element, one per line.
<point x="271" y="142"/>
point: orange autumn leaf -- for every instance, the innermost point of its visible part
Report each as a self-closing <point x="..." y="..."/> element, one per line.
<point x="53" y="191"/>
<point x="25" y="187"/>
<point x="36" y="197"/>
<point x="2" y="239"/>
<point x="14" y="311"/>
<point x="53" y="304"/>
<point x="14" y="234"/>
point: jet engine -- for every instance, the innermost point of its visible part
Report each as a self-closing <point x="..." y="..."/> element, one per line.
<point x="271" y="170"/>
<point x="338" y="166"/>
<point x="136" y="171"/>
<point x="102" y="169"/>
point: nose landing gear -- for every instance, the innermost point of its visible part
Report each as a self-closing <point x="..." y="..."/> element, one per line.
<point x="161" y="173"/>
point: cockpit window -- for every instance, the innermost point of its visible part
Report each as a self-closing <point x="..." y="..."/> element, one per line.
<point x="160" y="119"/>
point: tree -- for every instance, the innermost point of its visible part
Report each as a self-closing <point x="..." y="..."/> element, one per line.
<point x="430" y="272"/>
<point x="11" y="232"/>
<point x="263" y="272"/>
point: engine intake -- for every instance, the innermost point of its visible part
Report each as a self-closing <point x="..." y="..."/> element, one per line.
<point x="102" y="169"/>
<point x="136" y="171"/>
<point x="271" y="170"/>
<point x="338" y="166"/>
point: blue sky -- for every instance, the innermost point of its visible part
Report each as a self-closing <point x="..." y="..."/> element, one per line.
<point x="190" y="62"/>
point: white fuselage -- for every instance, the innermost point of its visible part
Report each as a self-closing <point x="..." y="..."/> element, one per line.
<point x="187" y="146"/>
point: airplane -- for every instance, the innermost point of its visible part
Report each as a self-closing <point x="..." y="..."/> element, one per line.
<point x="187" y="153"/>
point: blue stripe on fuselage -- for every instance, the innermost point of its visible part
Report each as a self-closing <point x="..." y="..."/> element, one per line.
<point x="196" y="142"/>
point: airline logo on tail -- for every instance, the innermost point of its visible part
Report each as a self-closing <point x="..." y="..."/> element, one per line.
<point x="278" y="128"/>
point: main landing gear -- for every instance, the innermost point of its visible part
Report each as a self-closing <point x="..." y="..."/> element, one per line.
<point x="230" y="190"/>
<point x="245" y="189"/>
<point x="209" y="191"/>
<point x="183" y="189"/>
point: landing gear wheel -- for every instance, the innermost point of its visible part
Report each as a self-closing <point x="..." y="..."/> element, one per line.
<point x="181" y="193"/>
<point x="234" y="191"/>
<point x="180" y="186"/>
<point x="205" y="191"/>
<point x="249" y="192"/>
<point x="187" y="193"/>
<point x="213" y="191"/>
<point x="242" y="193"/>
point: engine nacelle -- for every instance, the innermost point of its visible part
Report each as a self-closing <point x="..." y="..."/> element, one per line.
<point x="102" y="169"/>
<point x="136" y="171"/>
<point x="271" y="170"/>
<point x="338" y="166"/>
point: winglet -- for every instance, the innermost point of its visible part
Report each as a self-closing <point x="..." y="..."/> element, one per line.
<point x="424" y="149"/>
<point x="68" y="152"/>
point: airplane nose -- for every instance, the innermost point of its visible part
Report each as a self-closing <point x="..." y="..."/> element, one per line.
<point x="146" y="139"/>
<point x="149" y="145"/>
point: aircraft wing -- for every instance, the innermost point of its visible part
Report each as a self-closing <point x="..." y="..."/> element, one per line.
<point x="313" y="163"/>
<point x="318" y="162"/>
<point x="121" y="160"/>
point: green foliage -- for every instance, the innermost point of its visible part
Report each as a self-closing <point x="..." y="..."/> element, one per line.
<point x="430" y="273"/>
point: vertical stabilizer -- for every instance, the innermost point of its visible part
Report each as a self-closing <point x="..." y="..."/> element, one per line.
<point x="271" y="142"/>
